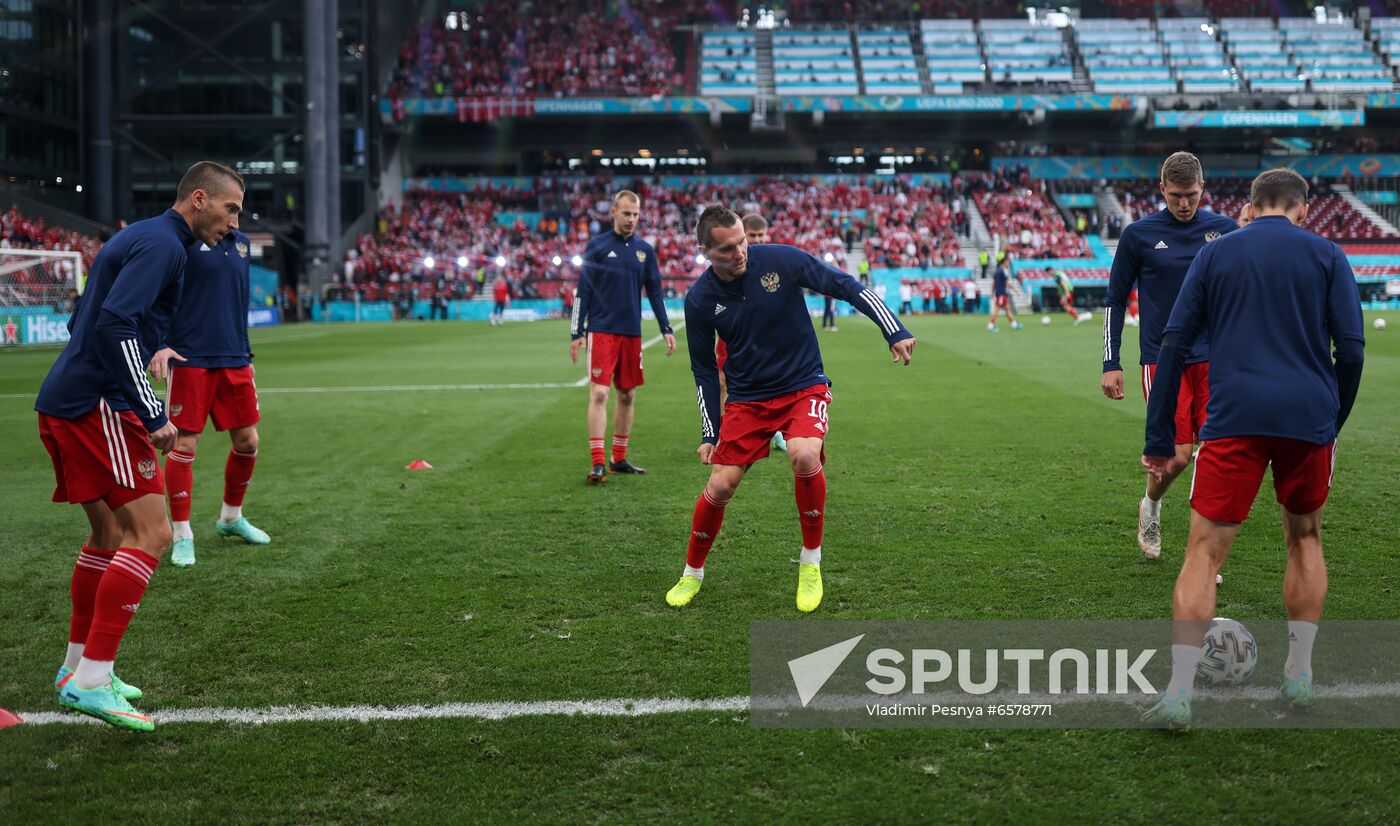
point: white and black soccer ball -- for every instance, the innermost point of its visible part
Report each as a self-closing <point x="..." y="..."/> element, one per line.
<point x="1379" y="324"/>
<point x="1228" y="653"/>
<point x="1045" y="320"/>
<point x="1086" y="316"/>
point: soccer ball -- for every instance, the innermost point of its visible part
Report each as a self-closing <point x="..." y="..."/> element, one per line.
<point x="1379" y="324"/>
<point x="1228" y="653"/>
<point x="1086" y="316"/>
<point x="1045" y="319"/>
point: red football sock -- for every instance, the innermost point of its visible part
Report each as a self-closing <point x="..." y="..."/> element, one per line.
<point x="87" y="575"/>
<point x="237" y="471"/>
<point x="704" y="527"/>
<point x="810" y="488"/>
<point x="619" y="447"/>
<point x="595" y="447"/>
<point x="118" y="596"/>
<point x="179" y="483"/>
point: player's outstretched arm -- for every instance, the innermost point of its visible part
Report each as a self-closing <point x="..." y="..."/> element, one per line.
<point x="828" y="280"/>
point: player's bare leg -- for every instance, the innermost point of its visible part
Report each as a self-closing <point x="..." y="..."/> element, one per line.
<point x="624" y="408"/>
<point x="238" y="471"/>
<point x="597" y="428"/>
<point x="1011" y="317"/>
<point x="179" y="478"/>
<point x="1150" y="507"/>
<point x="809" y="483"/>
<point x="1193" y="605"/>
<point x="704" y="527"/>
<point x="992" y="323"/>
<point x="1304" y="592"/>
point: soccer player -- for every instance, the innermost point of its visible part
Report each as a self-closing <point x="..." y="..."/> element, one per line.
<point x="1270" y="297"/>
<point x="1066" y="288"/>
<point x="102" y="425"/>
<point x="500" y="293"/>
<point x="1153" y="255"/>
<point x="753" y="298"/>
<point x="756" y="232"/>
<point x="617" y="267"/>
<point x="213" y="378"/>
<point x="1001" y="300"/>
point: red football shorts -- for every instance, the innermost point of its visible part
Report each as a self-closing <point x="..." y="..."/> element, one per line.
<point x="747" y="428"/>
<point x="1229" y="471"/>
<point x="225" y="393"/>
<point x="721" y="353"/>
<point x="614" y="359"/>
<point x="1190" y="400"/>
<point x="1003" y="300"/>
<point x="103" y="454"/>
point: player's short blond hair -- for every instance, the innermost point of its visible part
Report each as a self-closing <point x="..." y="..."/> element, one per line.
<point x="1278" y="188"/>
<point x="1182" y="168"/>
<point x="626" y="195"/>
<point x="753" y="222"/>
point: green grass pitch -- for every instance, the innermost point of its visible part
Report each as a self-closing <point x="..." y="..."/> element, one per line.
<point x="990" y="479"/>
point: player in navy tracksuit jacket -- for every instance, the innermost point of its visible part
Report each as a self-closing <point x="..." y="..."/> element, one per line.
<point x="752" y="298"/>
<point x="1153" y="256"/>
<point x="209" y="363"/>
<point x="617" y="267"/>
<point x="1271" y="298"/>
<point x="103" y="424"/>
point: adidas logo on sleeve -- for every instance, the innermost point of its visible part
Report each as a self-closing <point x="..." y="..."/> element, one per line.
<point x="1161" y="245"/>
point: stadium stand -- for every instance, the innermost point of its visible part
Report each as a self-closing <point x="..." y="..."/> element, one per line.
<point x="1018" y="52"/>
<point x="1017" y="210"/>
<point x="814" y="62"/>
<point x="887" y="62"/>
<point x="565" y="49"/>
<point x="1197" y="59"/>
<point x="1124" y="57"/>
<point x="728" y="64"/>
<point x="903" y="224"/>
<point x="952" y="54"/>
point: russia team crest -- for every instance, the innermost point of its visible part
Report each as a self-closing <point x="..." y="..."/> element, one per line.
<point x="242" y="249"/>
<point x="770" y="282"/>
<point x="641" y="257"/>
<point x="147" y="468"/>
<point x="1211" y="236"/>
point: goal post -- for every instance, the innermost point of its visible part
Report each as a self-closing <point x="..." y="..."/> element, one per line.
<point x="38" y="289"/>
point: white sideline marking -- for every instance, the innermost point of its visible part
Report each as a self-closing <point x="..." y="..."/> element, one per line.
<point x="646" y="707"/>
<point x="404" y="387"/>
<point x="297" y="337"/>
<point x="444" y="711"/>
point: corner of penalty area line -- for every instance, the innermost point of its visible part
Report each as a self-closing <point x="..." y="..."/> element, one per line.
<point x="9" y="718"/>
<point x="418" y="464"/>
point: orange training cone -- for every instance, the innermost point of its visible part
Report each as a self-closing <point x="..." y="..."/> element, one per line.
<point x="418" y="464"/>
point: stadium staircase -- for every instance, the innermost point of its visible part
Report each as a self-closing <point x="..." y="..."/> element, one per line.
<point x="1081" y="84"/>
<point x="855" y="57"/>
<point x="1109" y="204"/>
<point x="916" y="38"/>
<point x="1365" y="209"/>
<point x="763" y="44"/>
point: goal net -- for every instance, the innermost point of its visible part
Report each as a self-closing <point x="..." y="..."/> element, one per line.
<point x="36" y="286"/>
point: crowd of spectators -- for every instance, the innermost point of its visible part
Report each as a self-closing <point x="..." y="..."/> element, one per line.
<point x="470" y="245"/>
<point x="50" y="282"/>
<point x="1021" y="217"/>
<point x="564" y="48"/>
